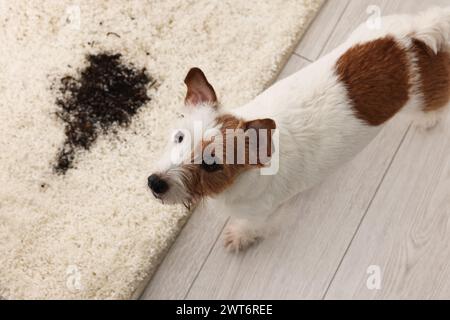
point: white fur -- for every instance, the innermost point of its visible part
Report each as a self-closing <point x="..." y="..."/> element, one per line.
<point x="199" y="118"/>
<point x="318" y="130"/>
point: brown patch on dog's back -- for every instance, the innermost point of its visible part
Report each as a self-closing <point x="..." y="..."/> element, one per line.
<point x="434" y="72"/>
<point x="376" y="75"/>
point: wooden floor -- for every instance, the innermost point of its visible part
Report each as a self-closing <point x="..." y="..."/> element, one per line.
<point x="386" y="212"/>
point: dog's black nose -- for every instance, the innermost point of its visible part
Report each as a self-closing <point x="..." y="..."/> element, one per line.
<point x="158" y="185"/>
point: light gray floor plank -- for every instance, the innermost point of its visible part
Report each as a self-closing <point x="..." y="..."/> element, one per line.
<point x="186" y="257"/>
<point x="407" y="229"/>
<point x="321" y="29"/>
<point x="294" y="64"/>
<point x="356" y="14"/>
<point x="359" y="11"/>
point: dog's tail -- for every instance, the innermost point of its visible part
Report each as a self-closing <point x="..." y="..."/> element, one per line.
<point x="433" y="28"/>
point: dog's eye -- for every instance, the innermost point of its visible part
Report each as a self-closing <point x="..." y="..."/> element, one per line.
<point x="213" y="167"/>
<point x="179" y="137"/>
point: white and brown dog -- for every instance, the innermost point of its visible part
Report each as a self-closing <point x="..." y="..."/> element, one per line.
<point x="323" y="115"/>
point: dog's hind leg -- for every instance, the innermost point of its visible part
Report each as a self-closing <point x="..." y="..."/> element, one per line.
<point x="434" y="85"/>
<point x="431" y="51"/>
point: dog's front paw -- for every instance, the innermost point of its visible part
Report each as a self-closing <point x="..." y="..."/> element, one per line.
<point x="239" y="237"/>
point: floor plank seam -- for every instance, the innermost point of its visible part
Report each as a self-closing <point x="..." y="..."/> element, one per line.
<point x="302" y="57"/>
<point x="206" y="259"/>
<point x="367" y="210"/>
<point x="334" y="28"/>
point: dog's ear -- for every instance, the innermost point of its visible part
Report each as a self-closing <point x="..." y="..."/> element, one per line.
<point x="199" y="90"/>
<point x="260" y="134"/>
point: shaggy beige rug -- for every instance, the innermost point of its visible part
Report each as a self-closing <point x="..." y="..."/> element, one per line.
<point x="96" y="232"/>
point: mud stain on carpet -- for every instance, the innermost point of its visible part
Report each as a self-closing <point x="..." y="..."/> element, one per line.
<point x="107" y="92"/>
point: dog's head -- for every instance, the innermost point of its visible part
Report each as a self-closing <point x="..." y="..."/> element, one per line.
<point x="207" y="149"/>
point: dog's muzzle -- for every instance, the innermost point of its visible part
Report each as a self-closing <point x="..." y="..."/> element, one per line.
<point x="158" y="186"/>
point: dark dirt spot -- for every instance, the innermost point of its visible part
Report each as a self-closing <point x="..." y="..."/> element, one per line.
<point x="112" y="34"/>
<point x="106" y="93"/>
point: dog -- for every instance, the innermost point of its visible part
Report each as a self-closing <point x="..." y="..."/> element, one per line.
<point x="309" y="123"/>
